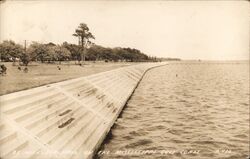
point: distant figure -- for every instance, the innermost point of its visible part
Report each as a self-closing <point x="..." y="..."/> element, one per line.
<point x="3" y="69"/>
<point x="19" y="68"/>
<point x="58" y="67"/>
<point x="176" y="75"/>
<point x="25" y="70"/>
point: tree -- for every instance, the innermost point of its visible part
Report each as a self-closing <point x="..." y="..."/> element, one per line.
<point x="10" y="50"/>
<point x="41" y="52"/>
<point x="61" y="53"/>
<point x="74" y="51"/>
<point x="84" y="36"/>
<point x="97" y="52"/>
<point x="25" y="58"/>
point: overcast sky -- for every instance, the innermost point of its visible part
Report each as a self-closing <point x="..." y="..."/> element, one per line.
<point x="215" y="30"/>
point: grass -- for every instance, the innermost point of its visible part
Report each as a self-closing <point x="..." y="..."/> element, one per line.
<point x="40" y="74"/>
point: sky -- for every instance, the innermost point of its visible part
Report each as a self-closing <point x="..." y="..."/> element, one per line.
<point x="207" y="30"/>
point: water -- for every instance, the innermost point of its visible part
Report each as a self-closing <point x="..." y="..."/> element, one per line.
<point x="185" y="110"/>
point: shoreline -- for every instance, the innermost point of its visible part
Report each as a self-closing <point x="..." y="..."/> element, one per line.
<point x="41" y="74"/>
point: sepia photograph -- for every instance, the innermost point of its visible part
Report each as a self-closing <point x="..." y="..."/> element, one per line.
<point x="124" y="79"/>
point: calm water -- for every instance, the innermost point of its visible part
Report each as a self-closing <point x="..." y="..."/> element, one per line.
<point x="182" y="110"/>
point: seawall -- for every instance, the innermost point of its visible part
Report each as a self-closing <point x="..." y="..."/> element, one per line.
<point x="69" y="119"/>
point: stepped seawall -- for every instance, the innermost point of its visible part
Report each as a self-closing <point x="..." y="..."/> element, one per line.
<point x="65" y="120"/>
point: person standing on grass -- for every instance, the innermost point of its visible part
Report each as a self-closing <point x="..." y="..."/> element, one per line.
<point x="3" y="69"/>
<point x="25" y="70"/>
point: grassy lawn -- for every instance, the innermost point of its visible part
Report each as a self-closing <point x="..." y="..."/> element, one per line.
<point x="40" y="74"/>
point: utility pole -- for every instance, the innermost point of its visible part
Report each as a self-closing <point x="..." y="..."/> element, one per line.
<point x="25" y="46"/>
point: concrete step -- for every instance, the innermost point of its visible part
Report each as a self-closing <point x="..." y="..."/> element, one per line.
<point x="36" y="109"/>
<point x="55" y="133"/>
<point x="54" y="122"/>
<point x="46" y="115"/>
<point x="25" y="102"/>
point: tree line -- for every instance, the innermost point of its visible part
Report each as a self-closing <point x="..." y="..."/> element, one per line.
<point x="50" y="53"/>
<point x="85" y="50"/>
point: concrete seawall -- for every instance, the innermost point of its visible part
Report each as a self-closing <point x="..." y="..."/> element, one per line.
<point x="69" y="119"/>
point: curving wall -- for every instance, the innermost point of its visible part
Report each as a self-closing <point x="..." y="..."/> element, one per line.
<point x="69" y="119"/>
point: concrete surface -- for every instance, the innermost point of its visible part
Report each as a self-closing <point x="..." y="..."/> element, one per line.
<point x="69" y="119"/>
